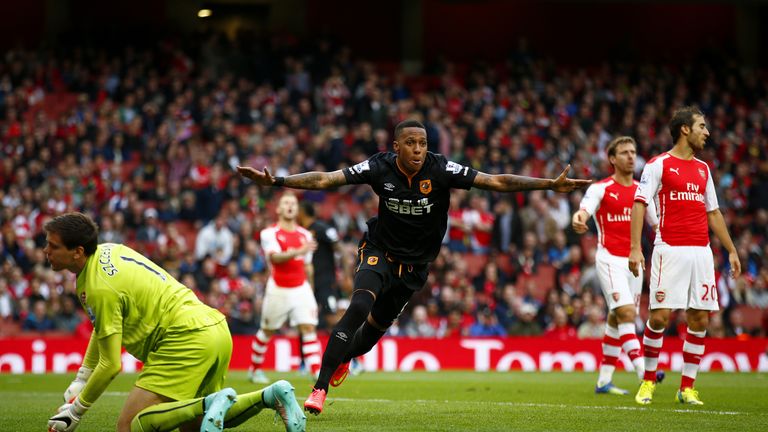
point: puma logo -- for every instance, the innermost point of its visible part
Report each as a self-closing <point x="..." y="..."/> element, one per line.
<point x="675" y="170"/>
<point x="615" y="195"/>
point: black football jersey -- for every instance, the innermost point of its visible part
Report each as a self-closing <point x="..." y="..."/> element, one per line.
<point x="413" y="213"/>
<point x="323" y="259"/>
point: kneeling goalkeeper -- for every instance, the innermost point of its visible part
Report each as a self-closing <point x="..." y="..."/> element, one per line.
<point x="185" y="345"/>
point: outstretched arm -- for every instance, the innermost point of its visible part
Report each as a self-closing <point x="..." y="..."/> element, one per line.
<point x="514" y="183"/>
<point x="308" y="180"/>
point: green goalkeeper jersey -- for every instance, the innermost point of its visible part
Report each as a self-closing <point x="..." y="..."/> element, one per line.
<point x="124" y="292"/>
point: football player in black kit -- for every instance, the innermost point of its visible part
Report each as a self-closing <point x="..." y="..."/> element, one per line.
<point x="414" y="186"/>
<point x="323" y="260"/>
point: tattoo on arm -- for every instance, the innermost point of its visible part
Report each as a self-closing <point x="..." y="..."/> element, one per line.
<point x="316" y="180"/>
<point x="510" y="182"/>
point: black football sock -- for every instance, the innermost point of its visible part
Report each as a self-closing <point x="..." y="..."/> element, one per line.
<point x="365" y="338"/>
<point x="341" y="336"/>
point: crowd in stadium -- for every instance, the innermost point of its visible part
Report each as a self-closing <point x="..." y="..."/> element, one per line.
<point x="146" y="142"/>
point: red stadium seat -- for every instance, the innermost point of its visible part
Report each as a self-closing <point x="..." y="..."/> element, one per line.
<point x="505" y="264"/>
<point x="543" y="280"/>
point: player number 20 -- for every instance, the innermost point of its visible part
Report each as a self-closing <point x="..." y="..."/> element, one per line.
<point x="710" y="292"/>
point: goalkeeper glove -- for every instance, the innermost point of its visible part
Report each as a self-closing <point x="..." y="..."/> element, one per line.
<point x="77" y="385"/>
<point x="68" y="417"/>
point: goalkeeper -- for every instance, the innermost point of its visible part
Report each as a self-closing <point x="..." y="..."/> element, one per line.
<point x="184" y="344"/>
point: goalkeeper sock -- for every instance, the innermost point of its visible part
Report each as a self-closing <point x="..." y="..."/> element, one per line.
<point x="247" y="406"/>
<point x="365" y="338"/>
<point x="170" y="415"/>
<point x="167" y="416"/>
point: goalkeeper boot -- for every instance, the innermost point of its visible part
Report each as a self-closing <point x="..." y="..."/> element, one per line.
<point x="610" y="389"/>
<point x="689" y="396"/>
<point x="280" y="397"/>
<point x="315" y="401"/>
<point x="257" y="376"/>
<point x="341" y="373"/>
<point x="216" y="407"/>
<point x="644" y="394"/>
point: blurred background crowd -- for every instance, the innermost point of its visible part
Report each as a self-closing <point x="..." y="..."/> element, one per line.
<point x="145" y="140"/>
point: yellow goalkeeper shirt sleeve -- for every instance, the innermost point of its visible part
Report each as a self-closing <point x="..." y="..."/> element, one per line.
<point x="91" y="358"/>
<point x="107" y="368"/>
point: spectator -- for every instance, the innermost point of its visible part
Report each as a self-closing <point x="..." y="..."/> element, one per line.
<point x="38" y="319"/>
<point x="419" y="325"/>
<point x="716" y="327"/>
<point x="526" y="324"/>
<point x="561" y="328"/>
<point x="507" y="232"/>
<point x="481" y="220"/>
<point x="455" y="325"/>
<point x="6" y="301"/>
<point x="736" y="328"/>
<point x="594" y="326"/>
<point x="243" y="320"/>
<point x="486" y="324"/>
<point x="67" y="318"/>
<point x="459" y="229"/>
<point x="215" y="240"/>
<point x="150" y="230"/>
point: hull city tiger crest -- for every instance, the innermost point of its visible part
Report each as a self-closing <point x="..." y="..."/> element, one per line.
<point x="373" y="260"/>
<point x="425" y="186"/>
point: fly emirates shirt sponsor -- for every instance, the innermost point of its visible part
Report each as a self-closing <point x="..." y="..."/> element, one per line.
<point x="683" y="193"/>
<point x="610" y="203"/>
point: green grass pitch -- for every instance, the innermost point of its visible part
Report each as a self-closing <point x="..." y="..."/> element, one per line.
<point x="446" y="401"/>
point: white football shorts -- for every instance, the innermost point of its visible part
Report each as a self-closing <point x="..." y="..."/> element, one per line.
<point x="297" y="305"/>
<point x="620" y="287"/>
<point x="683" y="277"/>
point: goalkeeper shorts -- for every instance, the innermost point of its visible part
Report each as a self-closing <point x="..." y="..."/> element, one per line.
<point x="189" y="364"/>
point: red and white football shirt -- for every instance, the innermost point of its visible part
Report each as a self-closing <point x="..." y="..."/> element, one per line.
<point x="288" y="274"/>
<point x="610" y="203"/>
<point x="683" y="193"/>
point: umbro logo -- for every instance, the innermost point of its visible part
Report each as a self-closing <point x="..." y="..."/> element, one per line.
<point x="615" y="195"/>
<point x="343" y="336"/>
<point x="675" y="170"/>
<point x="389" y="187"/>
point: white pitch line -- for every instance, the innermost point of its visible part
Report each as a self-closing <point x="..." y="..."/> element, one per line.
<point x="507" y="404"/>
<point x="32" y="394"/>
<point x="543" y="405"/>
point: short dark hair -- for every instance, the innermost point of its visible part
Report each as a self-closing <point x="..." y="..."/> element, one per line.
<point x="407" y="124"/>
<point x="75" y="229"/>
<point x="611" y="147"/>
<point x="682" y="117"/>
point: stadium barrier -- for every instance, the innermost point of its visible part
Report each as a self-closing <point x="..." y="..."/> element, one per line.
<point x="59" y="355"/>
